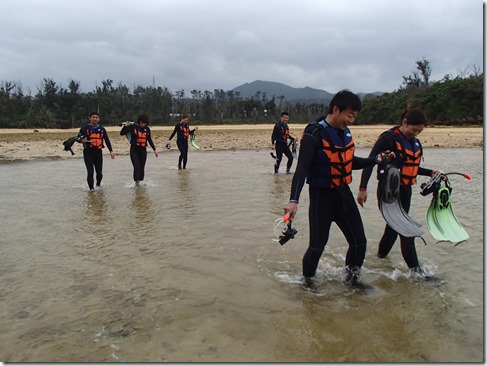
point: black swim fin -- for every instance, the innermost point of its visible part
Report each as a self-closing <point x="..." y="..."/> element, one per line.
<point x="294" y="149"/>
<point x="390" y="203"/>
<point x="68" y="144"/>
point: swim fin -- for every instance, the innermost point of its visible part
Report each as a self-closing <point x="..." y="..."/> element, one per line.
<point x="294" y="149"/>
<point x="390" y="204"/>
<point x="441" y="219"/>
<point x="68" y="144"/>
<point x="192" y="140"/>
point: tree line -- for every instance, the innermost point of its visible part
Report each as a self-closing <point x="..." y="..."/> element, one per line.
<point x="452" y="100"/>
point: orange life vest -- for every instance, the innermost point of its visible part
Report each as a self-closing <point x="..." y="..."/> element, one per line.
<point x="185" y="129"/>
<point x="410" y="153"/>
<point x="284" y="132"/>
<point x="332" y="166"/>
<point x="95" y="136"/>
<point x="141" y="137"/>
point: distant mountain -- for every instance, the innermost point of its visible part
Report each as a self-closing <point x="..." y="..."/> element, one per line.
<point x="273" y="89"/>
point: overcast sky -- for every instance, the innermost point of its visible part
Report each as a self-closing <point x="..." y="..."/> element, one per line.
<point x="361" y="45"/>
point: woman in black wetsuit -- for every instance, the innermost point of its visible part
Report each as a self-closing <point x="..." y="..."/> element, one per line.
<point x="182" y="130"/>
<point x="408" y="154"/>
<point x="140" y="136"/>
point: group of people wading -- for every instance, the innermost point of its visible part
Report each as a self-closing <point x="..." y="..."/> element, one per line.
<point x="326" y="160"/>
<point x="94" y="137"/>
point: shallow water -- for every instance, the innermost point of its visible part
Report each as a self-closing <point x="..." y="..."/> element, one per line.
<point x="186" y="268"/>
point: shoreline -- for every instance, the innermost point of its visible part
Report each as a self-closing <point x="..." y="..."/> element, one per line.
<point x="30" y="144"/>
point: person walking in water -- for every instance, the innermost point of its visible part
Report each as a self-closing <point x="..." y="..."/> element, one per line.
<point x="281" y="140"/>
<point x="325" y="162"/>
<point x="92" y="136"/>
<point x="182" y="130"/>
<point x="403" y="142"/>
<point x="140" y="136"/>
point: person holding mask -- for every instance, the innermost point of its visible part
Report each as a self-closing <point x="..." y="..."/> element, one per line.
<point x="140" y="136"/>
<point x="182" y="130"/>
<point x="92" y="136"/>
<point x="280" y="142"/>
<point x="326" y="159"/>
<point x="402" y="141"/>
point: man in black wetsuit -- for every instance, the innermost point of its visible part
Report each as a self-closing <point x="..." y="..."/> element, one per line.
<point x="92" y="136"/>
<point x="280" y="143"/>
<point x="326" y="159"/>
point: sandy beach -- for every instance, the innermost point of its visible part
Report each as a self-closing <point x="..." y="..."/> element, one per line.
<point x="26" y="144"/>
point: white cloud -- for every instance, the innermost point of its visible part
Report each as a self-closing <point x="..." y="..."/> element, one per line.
<point x="219" y="44"/>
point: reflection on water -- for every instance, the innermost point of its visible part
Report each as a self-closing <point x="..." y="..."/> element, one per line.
<point x="184" y="268"/>
<point x="95" y="204"/>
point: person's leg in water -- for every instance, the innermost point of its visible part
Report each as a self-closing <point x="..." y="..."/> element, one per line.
<point x="180" y="147"/>
<point x="89" y="163"/>
<point x="389" y="237"/>
<point x="350" y="223"/>
<point x="408" y="245"/>
<point x="289" y="156"/>
<point x="142" y="160"/>
<point x="278" y="159"/>
<point x="134" y="157"/>
<point x="321" y="213"/>
<point x="98" y="161"/>
<point x="386" y="242"/>
<point x="183" y="157"/>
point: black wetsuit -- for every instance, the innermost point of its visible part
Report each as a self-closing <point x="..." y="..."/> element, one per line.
<point x="92" y="152"/>
<point x="279" y="137"/>
<point x="138" y="148"/>
<point x="328" y="205"/>
<point x="408" y="247"/>
<point x="182" y="130"/>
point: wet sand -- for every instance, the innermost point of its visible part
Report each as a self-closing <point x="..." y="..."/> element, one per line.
<point x="26" y="144"/>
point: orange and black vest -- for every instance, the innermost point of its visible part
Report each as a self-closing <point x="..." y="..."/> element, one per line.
<point x="140" y="136"/>
<point x="183" y="131"/>
<point x="95" y="135"/>
<point x="332" y="165"/>
<point x="283" y="134"/>
<point x="408" y="157"/>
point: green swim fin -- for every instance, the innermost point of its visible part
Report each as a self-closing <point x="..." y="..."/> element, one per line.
<point x="441" y="219"/>
<point x="192" y="140"/>
<point x="390" y="203"/>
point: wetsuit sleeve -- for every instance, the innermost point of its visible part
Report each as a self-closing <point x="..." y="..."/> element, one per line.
<point x="174" y="132"/>
<point x="382" y="144"/>
<point x="107" y="140"/>
<point x="126" y="129"/>
<point x="309" y="143"/>
<point x="424" y="171"/>
<point x="275" y="132"/>
<point x="149" y="139"/>
<point x="361" y="163"/>
<point x="82" y="132"/>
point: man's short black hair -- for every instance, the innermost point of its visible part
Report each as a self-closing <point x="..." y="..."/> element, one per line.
<point x="345" y="99"/>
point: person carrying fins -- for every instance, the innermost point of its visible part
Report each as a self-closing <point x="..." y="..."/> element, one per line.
<point x="395" y="186"/>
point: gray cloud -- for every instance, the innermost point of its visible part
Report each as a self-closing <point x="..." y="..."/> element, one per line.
<point x="218" y="44"/>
